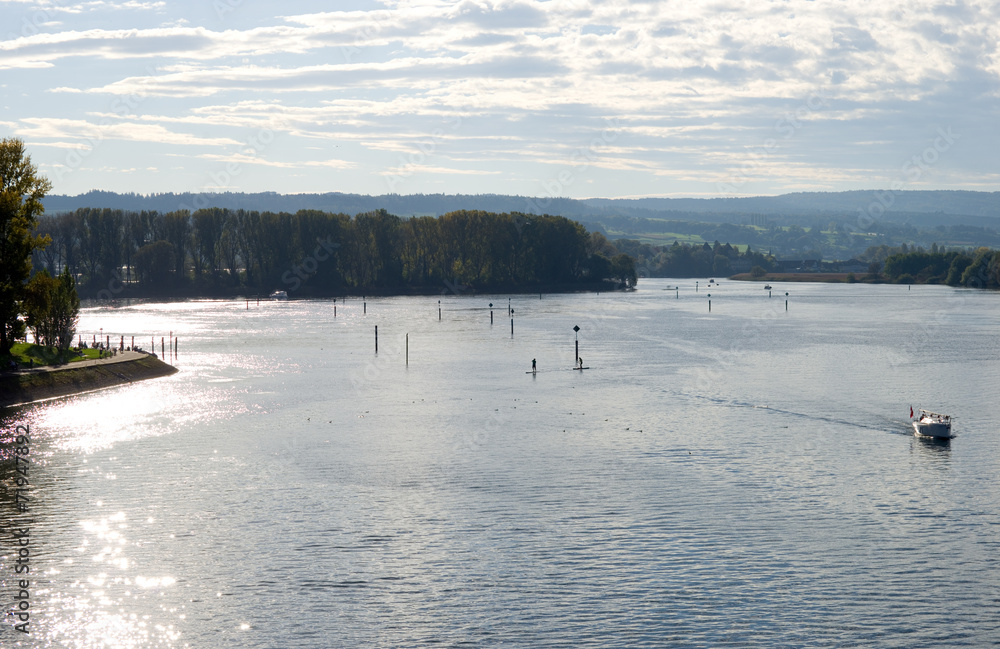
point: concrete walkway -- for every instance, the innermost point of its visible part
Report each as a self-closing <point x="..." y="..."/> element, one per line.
<point x="121" y="357"/>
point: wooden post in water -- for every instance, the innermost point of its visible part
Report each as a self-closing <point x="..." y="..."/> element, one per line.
<point x="439" y="310"/>
<point x="709" y="302"/>
<point x="175" y="349"/>
<point x="163" y="354"/>
<point x="512" y="323"/>
<point x="407" y="350"/>
<point x="491" y="314"/>
<point x="334" y="307"/>
<point x="376" y="339"/>
<point x="248" y="304"/>
<point x="133" y="342"/>
<point x="576" y="334"/>
<point x="786" y="300"/>
<point x="365" y="300"/>
<point x="677" y="292"/>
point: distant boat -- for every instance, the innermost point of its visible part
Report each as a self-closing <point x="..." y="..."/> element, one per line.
<point x="279" y="295"/>
<point x="932" y="424"/>
<point x="767" y="287"/>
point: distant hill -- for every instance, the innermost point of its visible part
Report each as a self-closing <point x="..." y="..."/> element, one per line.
<point x="925" y="209"/>
<point x="965" y="203"/>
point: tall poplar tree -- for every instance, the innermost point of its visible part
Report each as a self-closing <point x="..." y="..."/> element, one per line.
<point x="21" y="193"/>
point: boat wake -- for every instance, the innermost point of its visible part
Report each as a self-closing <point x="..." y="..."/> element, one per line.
<point x="872" y="422"/>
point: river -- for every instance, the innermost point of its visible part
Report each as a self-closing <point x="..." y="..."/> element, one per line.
<point x="744" y="476"/>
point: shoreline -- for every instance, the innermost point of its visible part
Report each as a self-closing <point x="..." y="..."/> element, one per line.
<point x="31" y="386"/>
<point x="829" y="278"/>
<point x="306" y="293"/>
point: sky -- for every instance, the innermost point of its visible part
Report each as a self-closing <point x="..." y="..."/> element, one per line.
<point x="572" y="98"/>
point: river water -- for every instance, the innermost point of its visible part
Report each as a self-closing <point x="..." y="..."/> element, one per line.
<point x="742" y="477"/>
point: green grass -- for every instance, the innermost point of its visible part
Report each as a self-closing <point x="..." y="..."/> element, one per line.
<point x="657" y="238"/>
<point x="28" y="355"/>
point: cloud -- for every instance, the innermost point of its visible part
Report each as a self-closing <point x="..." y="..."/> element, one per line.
<point x="693" y="86"/>
<point x="82" y="131"/>
<point x="247" y="159"/>
<point x="412" y="169"/>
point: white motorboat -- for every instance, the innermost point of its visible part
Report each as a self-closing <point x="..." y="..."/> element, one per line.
<point x="932" y="424"/>
<point x="279" y="295"/>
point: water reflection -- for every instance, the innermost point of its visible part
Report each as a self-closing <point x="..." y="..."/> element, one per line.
<point x="92" y="583"/>
<point x="937" y="449"/>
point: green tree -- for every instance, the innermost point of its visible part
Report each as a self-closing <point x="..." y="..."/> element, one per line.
<point x="21" y="193"/>
<point x="177" y="231"/>
<point x="977" y="273"/>
<point x="720" y="265"/>
<point x="65" y="310"/>
<point x="153" y="263"/>
<point x="208" y="224"/>
<point x="623" y="269"/>
<point x="39" y="294"/>
<point x="957" y="268"/>
<point x="52" y="308"/>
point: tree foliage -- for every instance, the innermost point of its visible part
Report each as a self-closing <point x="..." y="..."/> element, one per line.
<point x="21" y="193"/>
<point x="51" y="308"/>
<point x="977" y="269"/>
<point x="218" y="250"/>
<point x="693" y="260"/>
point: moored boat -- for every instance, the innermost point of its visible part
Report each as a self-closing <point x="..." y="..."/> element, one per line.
<point x="279" y="295"/>
<point x="932" y="424"/>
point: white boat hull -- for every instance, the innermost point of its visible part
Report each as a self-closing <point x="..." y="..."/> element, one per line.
<point x="932" y="429"/>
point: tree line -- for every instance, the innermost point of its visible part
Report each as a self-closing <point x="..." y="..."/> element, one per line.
<point x="979" y="268"/>
<point x="217" y="251"/>
<point x="693" y="260"/>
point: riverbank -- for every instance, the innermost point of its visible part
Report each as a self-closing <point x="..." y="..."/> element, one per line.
<point x="805" y="277"/>
<point x="27" y="386"/>
<point x="309" y="293"/>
